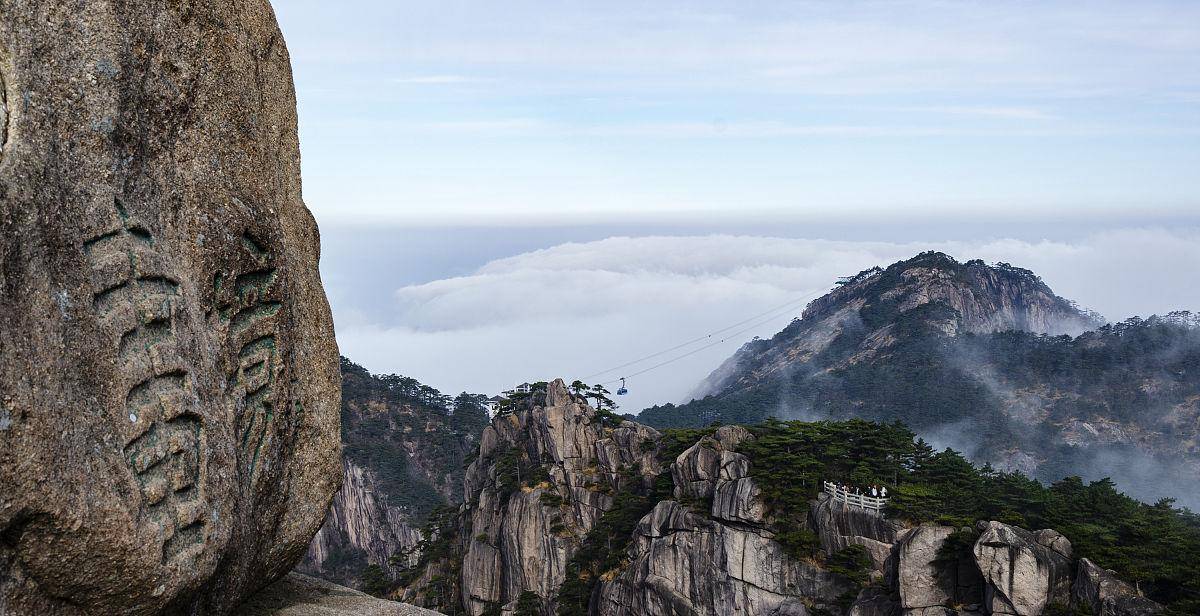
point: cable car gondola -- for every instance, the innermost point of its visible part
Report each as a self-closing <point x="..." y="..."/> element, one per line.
<point x="622" y="391"/>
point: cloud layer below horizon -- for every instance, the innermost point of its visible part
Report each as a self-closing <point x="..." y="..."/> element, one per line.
<point x="576" y="309"/>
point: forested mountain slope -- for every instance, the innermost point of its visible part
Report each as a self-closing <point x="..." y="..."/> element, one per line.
<point x="405" y="448"/>
<point x="985" y="359"/>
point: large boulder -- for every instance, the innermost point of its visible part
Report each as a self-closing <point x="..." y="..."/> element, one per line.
<point x="1098" y="591"/>
<point x="168" y="375"/>
<point x="921" y="579"/>
<point x="930" y="575"/>
<point x="1023" y="572"/>
<point x="697" y="470"/>
<point x="838" y="526"/>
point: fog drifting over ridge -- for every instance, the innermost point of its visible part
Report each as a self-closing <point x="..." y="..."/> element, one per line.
<point x="578" y="308"/>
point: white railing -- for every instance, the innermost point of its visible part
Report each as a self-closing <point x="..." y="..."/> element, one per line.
<point x="862" y="501"/>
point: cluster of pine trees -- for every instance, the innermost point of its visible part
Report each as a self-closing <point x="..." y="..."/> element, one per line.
<point x="1153" y="546"/>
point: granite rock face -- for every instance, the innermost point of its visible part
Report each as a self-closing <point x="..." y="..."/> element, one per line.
<point x="361" y="520"/>
<point x="168" y="374"/>
<point x="922" y="581"/>
<point x="522" y="537"/>
<point x="723" y="560"/>
<point x="1100" y="592"/>
<point x="706" y="543"/>
<point x="839" y="526"/>
<point x="1023" y="572"/>
<point x="684" y="563"/>
<point x="874" y="602"/>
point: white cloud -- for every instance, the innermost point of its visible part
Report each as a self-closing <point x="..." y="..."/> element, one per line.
<point x="1007" y="113"/>
<point x="437" y="79"/>
<point x="578" y="308"/>
<point x="775" y="129"/>
<point x="856" y="47"/>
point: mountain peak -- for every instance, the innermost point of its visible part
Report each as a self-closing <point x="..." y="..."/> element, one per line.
<point x="930" y="294"/>
<point x="981" y="298"/>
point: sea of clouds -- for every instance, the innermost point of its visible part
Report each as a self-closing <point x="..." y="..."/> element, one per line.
<point x="576" y="309"/>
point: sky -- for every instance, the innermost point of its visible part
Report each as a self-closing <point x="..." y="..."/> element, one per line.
<point x="566" y="112"/>
<point x="519" y="190"/>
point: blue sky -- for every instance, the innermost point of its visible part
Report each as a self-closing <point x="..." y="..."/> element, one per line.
<point x="464" y="113"/>
<point x="514" y="191"/>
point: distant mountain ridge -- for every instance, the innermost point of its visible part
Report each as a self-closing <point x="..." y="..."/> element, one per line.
<point x="981" y="299"/>
<point x="984" y="358"/>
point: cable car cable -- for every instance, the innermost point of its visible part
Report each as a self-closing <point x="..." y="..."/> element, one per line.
<point x="789" y="305"/>
<point x="693" y="351"/>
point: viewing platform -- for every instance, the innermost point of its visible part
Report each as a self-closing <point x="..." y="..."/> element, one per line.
<point x="862" y="501"/>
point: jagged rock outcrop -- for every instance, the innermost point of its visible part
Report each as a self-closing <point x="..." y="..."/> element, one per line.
<point x="839" y="526"/>
<point x="696" y="537"/>
<point x="168" y="372"/>
<point x="361" y="521"/>
<point x="707" y="542"/>
<point x="687" y="563"/>
<point x="1098" y="591"/>
<point x="1023" y="572"/>
<point x="520" y="538"/>
<point x="300" y="595"/>
<point x="711" y="471"/>
<point x="716" y="554"/>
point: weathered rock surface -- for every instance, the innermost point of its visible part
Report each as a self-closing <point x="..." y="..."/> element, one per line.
<point x="361" y="520"/>
<point x="548" y="472"/>
<point x="928" y="578"/>
<point x="839" y="526"/>
<point x="168" y="373"/>
<point x="405" y="447"/>
<point x="521" y="539"/>
<point x="710" y="469"/>
<point x="684" y="563"/>
<point x="301" y="595"/>
<point x="1023" y="572"/>
<point x="872" y="601"/>
<point x="922" y="581"/>
<point x="1100" y="592"/>
<point x="723" y="560"/>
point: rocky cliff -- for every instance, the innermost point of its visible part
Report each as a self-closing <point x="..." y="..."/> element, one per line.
<point x="711" y="549"/>
<point x="406" y="445"/>
<point x="362" y="528"/>
<point x="569" y="510"/>
<point x="967" y="354"/>
<point x="544" y="477"/>
<point x="168" y="372"/>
